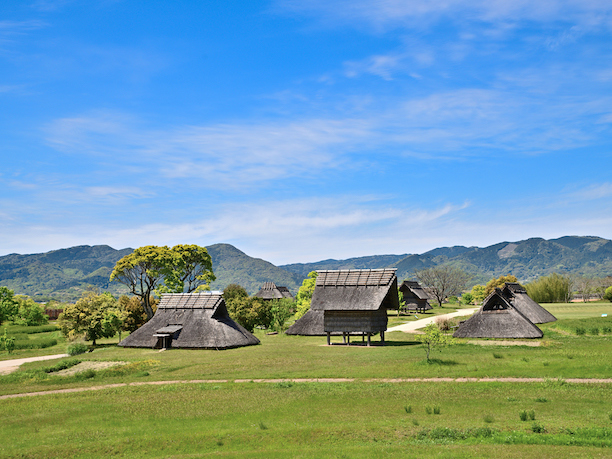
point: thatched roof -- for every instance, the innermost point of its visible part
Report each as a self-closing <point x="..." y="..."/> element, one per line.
<point x="355" y="290"/>
<point x="269" y="291"/>
<point x="523" y="302"/>
<point x="310" y="324"/>
<point x="194" y="321"/>
<point x="497" y="318"/>
<point x="414" y="288"/>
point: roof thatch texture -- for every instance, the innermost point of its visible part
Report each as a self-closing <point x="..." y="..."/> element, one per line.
<point x="194" y="321"/>
<point x="497" y="319"/>
<point x="269" y="291"/>
<point x="415" y="297"/>
<point x="523" y="302"/>
<point x="310" y="324"/>
<point x="355" y="290"/>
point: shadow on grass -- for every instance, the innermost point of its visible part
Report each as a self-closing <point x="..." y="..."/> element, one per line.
<point x="439" y="362"/>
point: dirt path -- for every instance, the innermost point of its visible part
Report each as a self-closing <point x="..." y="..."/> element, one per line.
<point x="411" y="327"/>
<point x="307" y="380"/>
<point x="8" y="366"/>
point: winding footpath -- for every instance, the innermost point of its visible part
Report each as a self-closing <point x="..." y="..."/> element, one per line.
<point x="410" y="327"/>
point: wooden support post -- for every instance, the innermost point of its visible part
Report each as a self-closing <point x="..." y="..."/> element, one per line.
<point x="348" y="338"/>
<point x="343" y="337"/>
<point x="368" y="340"/>
<point x="363" y="337"/>
<point x="382" y="337"/>
<point x="328" y="339"/>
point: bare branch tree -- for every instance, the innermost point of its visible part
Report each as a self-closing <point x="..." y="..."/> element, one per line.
<point x="443" y="281"/>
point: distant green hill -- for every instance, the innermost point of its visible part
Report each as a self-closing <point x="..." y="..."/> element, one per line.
<point x="527" y="260"/>
<point x="64" y="274"/>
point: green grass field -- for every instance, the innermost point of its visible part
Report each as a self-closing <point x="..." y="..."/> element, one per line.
<point x="310" y="419"/>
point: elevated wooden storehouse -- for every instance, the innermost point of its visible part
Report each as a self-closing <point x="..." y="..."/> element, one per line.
<point x="191" y="321"/>
<point x="269" y="291"/>
<point x="497" y="318"/>
<point x="415" y="297"/>
<point x="355" y="301"/>
<point x="523" y="302"/>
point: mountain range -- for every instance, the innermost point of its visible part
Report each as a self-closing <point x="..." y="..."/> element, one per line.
<point x="64" y="274"/>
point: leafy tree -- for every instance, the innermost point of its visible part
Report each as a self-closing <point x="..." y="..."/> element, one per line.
<point x="555" y="288"/>
<point x="250" y="312"/>
<point x="7" y="343"/>
<point x="304" y="295"/>
<point x="443" y="280"/>
<point x="478" y="292"/>
<point x="434" y="338"/>
<point x="467" y="298"/>
<point x="142" y="272"/>
<point x="494" y="283"/>
<point x="190" y="270"/>
<point x="94" y="315"/>
<point x="608" y="294"/>
<point x="29" y="312"/>
<point x="281" y="310"/>
<point x="134" y="313"/>
<point x="234" y="291"/>
<point x="151" y="268"/>
<point x="8" y="305"/>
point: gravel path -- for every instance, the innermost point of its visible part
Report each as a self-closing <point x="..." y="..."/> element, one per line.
<point x="410" y="327"/>
<point x="307" y="380"/>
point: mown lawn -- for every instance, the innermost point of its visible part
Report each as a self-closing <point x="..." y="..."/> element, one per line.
<point x="357" y="419"/>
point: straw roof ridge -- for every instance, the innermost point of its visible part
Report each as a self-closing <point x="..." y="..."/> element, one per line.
<point x="521" y="301"/>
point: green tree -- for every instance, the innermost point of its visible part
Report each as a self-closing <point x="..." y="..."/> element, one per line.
<point x="152" y="269"/>
<point x="467" y="298"/>
<point x="434" y="339"/>
<point x="234" y="291"/>
<point x="608" y="294"/>
<point x="501" y="280"/>
<point x="8" y="305"/>
<point x="29" y="312"/>
<point x="555" y="288"/>
<point x="142" y="271"/>
<point x="7" y="342"/>
<point x="443" y="281"/>
<point x="250" y="312"/>
<point x="134" y="313"/>
<point x="478" y="292"/>
<point x="281" y="310"/>
<point x="190" y="270"/>
<point x="304" y="295"/>
<point x="93" y="316"/>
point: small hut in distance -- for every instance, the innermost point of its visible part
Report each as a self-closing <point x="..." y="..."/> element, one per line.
<point x="415" y="297"/>
<point x="355" y="301"/>
<point x="269" y="291"/>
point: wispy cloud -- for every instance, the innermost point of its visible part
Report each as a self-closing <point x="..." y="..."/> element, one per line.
<point x="382" y="14"/>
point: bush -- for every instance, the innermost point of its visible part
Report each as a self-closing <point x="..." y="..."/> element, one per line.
<point x="608" y="294"/>
<point x="580" y="331"/>
<point x="281" y="310"/>
<point x="446" y="324"/>
<point x="594" y="331"/>
<point x="29" y="312"/>
<point x="555" y="288"/>
<point x="77" y="348"/>
<point x="523" y="415"/>
<point x="467" y="298"/>
<point x="537" y="428"/>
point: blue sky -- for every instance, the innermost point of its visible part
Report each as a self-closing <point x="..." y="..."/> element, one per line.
<point x="302" y="130"/>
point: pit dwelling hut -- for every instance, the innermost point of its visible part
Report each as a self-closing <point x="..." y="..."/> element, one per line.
<point x="497" y="318"/>
<point x="191" y="321"/>
<point x="310" y="324"/>
<point x="355" y="301"/>
<point x="269" y="291"/>
<point x="415" y="297"/>
<point x="523" y="302"/>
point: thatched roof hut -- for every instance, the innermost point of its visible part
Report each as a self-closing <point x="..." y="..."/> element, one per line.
<point x="191" y="321"/>
<point x="269" y="291"/>
<point x="497" y="318"/>
<point x="523" y="302"/>
<point x="355" y="300"/>
<point x="310" y="324"/>
<point x="415" y="297"/>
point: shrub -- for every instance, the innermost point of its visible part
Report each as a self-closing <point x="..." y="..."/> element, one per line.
<point x="580" y="331"/>
<point x="488" y="418"/>
<point x="436" y="410"/>
<point x="408" y="409"/>
<point x="606" y="329"/>
<point x="446" y="324"/>
<point x="29" y="312"/>
<point x="523" y="415"/>
<point x="594" y="331"/>
<point x="532" y="415"/>
<point x="428" y="409"/>
<point x="541" y="400"/>
<point x="608" y="294"/>
<point x="497" y="355"/>
<point x="77" y="348"/>
<point x="537" y="428"/>
<point x="63" y="365"/>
